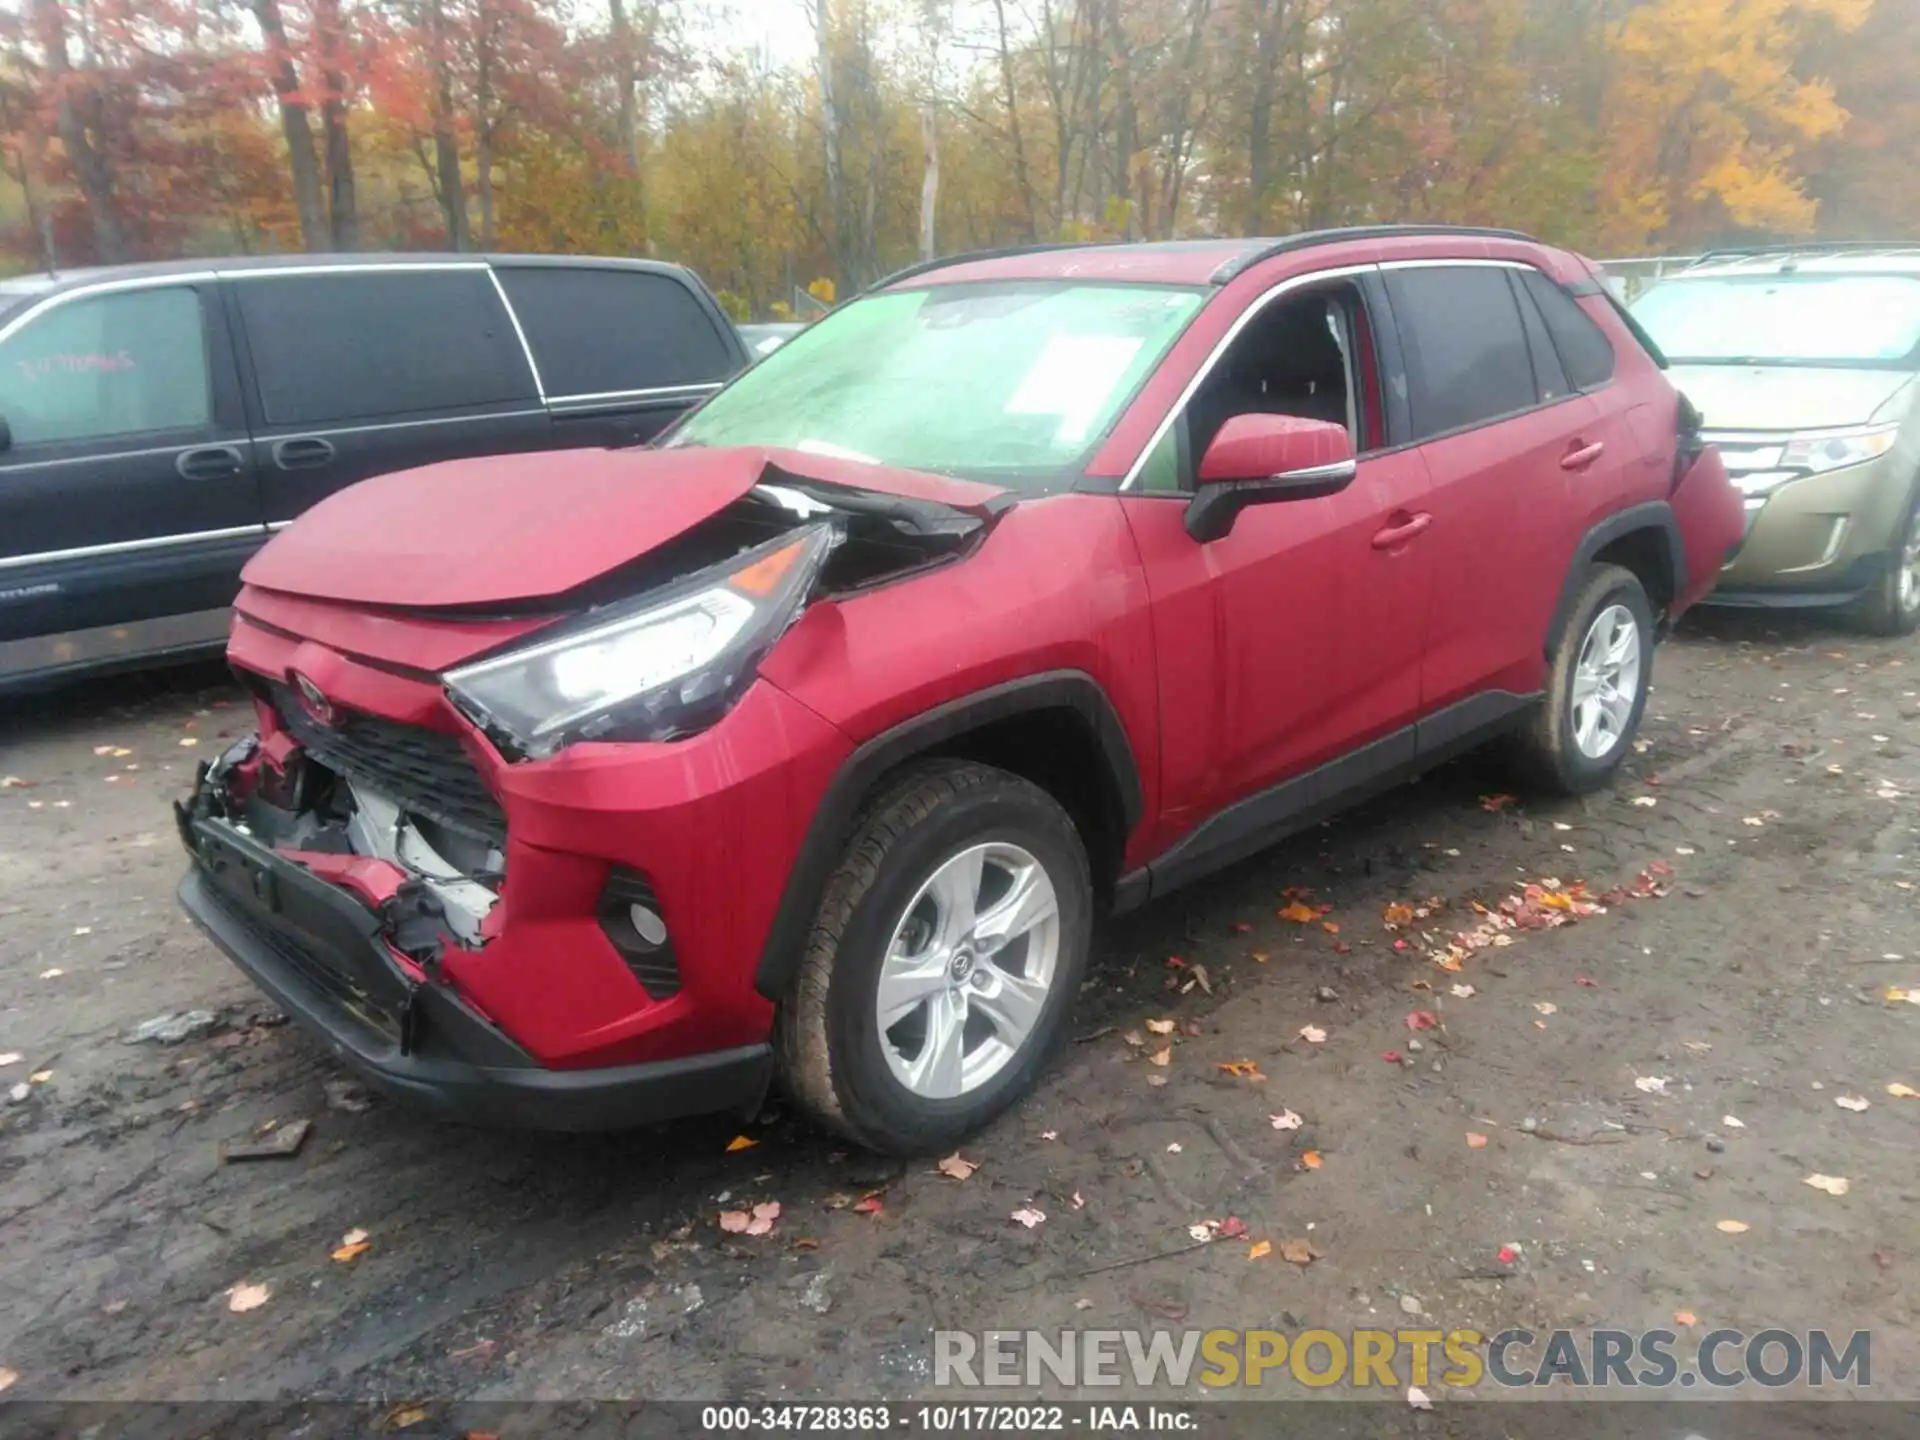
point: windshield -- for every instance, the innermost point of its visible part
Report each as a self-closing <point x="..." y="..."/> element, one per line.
<point x="1008" y="383"/>
<point x="1858" y="320"/>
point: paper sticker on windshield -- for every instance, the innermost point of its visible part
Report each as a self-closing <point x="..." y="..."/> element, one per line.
<point x="1074" y="378"/>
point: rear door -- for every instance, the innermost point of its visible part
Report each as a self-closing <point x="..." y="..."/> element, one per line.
<point x="127" y="496"/>
<point x="1505" y="448"/>
<point x="359" y="370"/>
<point x="622" y="350"/>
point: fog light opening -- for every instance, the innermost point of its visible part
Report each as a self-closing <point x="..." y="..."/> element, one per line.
<point x="648" y="925"/>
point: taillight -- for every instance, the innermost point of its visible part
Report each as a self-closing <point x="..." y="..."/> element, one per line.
<point x="1689" y="443"/>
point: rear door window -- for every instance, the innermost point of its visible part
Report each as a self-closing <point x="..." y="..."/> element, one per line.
<point x="355" y="346"/>
<point x="606" y="332"/>
<point x="1584" y="348"/>
<point x="1465" y="349"/>
<point x="131" y="362"/>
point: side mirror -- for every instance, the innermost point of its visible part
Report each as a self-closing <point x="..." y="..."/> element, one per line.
<point x="1262" y="460"/>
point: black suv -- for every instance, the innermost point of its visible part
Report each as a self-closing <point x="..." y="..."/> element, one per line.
<point x="159" y="422"/>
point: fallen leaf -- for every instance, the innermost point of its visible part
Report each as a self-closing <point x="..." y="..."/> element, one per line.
<point x="1700" y="1046"/>
<point x="14" y="782"/>
<point x="1231" y="1228"/>
<point x="1894" y="994"/>
<point x="1298" y="913"/>
<point x="735" y="1222"/>
<point x="1651" y="1084"/>
<point x="1754" y="820"/>
<point x="1242" y="1069"/>
<point x="1418" y="1398"/>
<point x="8" y="1378"/>
<point x="83" y="929"/>
<point x="352" y="1250"/>
<point x="1897" y="1090"/>
<point x="1134" y="1038"/>
<point x="1341" y="947"/>
<point x="244" y="1297"/>
<point x="1174" y="1148"/>
<point x="1298" y="1252"/>
<point x="40" y="1077"/>
<point x="1732" y="1227"/>
<point x="1313" y="1034"/>
<point x="1832" y="1184"/>
<point x="1493" y="804"/>
<point x="1461" y="992"/>
<point x="355" y="1236"/>
<point x="1260" y="1249"/>
<point x="1545" y="1007"/>
<point x="12" y="1057"/>
<point x="1476" y="1141"/>
<point x="1162" y="1056"/>
<point x="955" y="1166"/>
<point x="869" y="1205"/>
<point x="1330" y="926"/>
<point x="1685" y="1317"/>
<point x="1200" y="979"/>
<point x="1855" y="1103"/>
<point x="1422" y="1020"/>
<point x="1259" y="957"/>
<point x="1397" y="913"/>
<point x="1027" y="1216"/>
<point x="1174" y="962"/>
<point x="1733" y="1122"/>
<point x="1586" y="984"/>
<point x="763" y="1217"/>
<point x="741" y="1142"/>
<point x="1156" y="1081"/>
<point x="1203" y="1232"/>
<point x="805" y="1242"/>
<point x="54" y="974"/>
<point x="1049" y="1134"/>
<point x="1240" y="927"/>
<point x="1310" y="1159"/>
<point x="1645" y="802"/>
<point x="1507" y="1254"/>
<point x="1285" y="1120"/>
<point x="1079" y="1201"/>
<point x="1160" y="1027"/>
<point x="1392" y="1057"/>
<point x="403" y="1417"/>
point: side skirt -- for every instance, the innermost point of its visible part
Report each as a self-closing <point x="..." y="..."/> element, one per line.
<point x="1265" y="819"/>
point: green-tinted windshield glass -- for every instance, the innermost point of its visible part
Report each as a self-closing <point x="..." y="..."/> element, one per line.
<point x="1009" y="383"/>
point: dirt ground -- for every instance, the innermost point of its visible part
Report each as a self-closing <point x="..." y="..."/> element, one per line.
<point x="1777" y="780"/>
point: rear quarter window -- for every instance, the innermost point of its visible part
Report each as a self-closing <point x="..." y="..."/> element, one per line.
<point x="1466" y="352"/>
<point x="353" y="346"/>
<point x="600" y="332"/>
<point x="1584" y="348"/>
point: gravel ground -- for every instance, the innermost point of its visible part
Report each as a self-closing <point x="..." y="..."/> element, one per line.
<point x="1770" y="815"/>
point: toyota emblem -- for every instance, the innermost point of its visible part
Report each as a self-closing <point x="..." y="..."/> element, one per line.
<point x="314" y="699"/>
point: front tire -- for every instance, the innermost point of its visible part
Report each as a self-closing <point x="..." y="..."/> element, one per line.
<point x="1892" y="607"/>
<point x="943" y="961"/>
<point x="1597" y="691"/>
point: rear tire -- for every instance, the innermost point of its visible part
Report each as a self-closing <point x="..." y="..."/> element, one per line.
<point x="1892" y="607"/>
<point x="1597" y="690"/>
<point x="934" y="986"/>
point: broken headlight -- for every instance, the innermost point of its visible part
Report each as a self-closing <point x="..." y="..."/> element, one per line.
<point x="666" y="666"/>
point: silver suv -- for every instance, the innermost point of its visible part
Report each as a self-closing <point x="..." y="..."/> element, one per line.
<point x="1802" y="362"/>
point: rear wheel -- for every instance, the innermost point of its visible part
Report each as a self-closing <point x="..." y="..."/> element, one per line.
<point x="1892" y="607"/>
<point x="946" y="953"/>
<point x="1597" y="691"/>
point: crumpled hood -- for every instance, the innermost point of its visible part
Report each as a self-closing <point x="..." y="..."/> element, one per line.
<point x="1775" y="397"/>
<point x="518" y="528"/>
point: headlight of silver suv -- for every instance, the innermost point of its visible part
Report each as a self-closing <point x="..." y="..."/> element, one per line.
<point x="670" y="664"/>
<point x="1818" y="453"/>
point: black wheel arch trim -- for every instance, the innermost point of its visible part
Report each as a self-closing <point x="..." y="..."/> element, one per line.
<point x="832" y="821"/>
<point x="1655" y="515"/>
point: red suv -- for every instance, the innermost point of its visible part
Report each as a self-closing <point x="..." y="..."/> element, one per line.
<point x="595" y="788"/>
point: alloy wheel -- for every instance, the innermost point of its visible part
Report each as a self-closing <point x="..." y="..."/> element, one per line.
<point x="968" y="970"/>
<point x="1606" y="682"/>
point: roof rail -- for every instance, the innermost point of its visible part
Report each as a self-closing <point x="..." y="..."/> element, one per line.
<point x="1308" y="238"/>
<point x="966" y="257"/>
<point x="1803" y="247"/>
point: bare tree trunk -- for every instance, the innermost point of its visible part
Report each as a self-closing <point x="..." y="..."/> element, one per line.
<point x="1260" y="114"/>
<point x="17" y="114"/>
<point x="929" y="176"/>
<point x="830" y="130"/>
<point x="485" y="121"/>
<point x="448" y="186"/>
<point x="626" y="66"/>
<point x="296" y="125"/>
<point x="90" y="168"/>
<point x="343" y="211"/>
<point x="1013" y="122"/>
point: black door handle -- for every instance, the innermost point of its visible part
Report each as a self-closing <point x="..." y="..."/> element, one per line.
<point x="215" y="462"/>
<point x="302" y="454"/>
